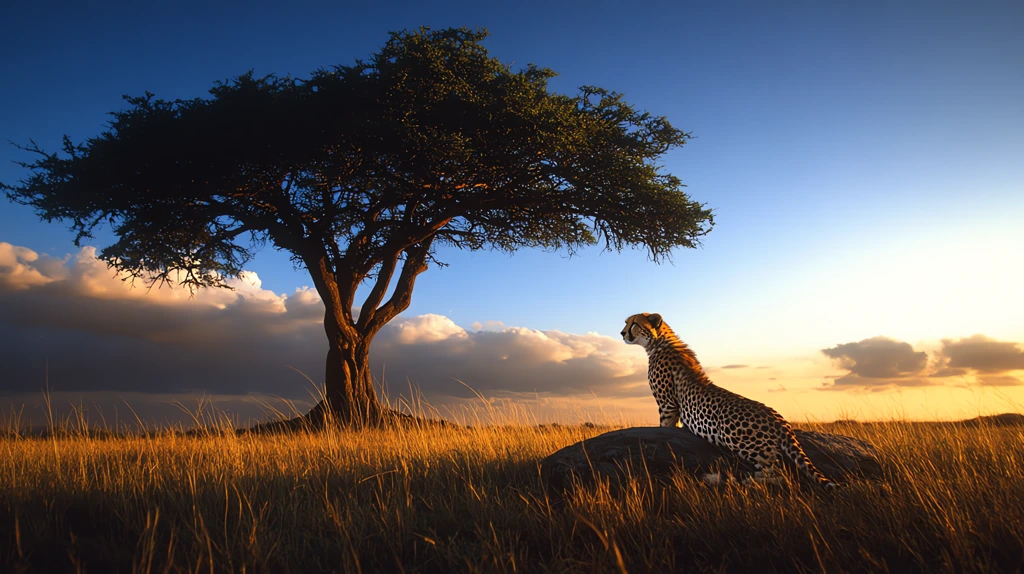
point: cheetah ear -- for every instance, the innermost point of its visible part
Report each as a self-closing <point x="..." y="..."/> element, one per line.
<point x="655" y="320"/>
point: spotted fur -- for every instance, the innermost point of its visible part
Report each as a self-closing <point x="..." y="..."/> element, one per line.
<point x="751" y="430"/>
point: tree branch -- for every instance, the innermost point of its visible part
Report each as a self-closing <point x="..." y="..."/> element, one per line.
<point x="337" y="297"/>
<point x="369" y="308"/>
<point x="415" y="263"/>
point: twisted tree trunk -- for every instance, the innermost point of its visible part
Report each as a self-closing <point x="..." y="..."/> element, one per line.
<point x="349" y="393"/>
<point x="350" y="397"/>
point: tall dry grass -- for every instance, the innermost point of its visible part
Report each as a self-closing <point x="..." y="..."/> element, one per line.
<point x="429" y="499"/>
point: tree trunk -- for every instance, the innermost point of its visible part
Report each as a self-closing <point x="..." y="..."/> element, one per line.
<point x="349" y="394"/>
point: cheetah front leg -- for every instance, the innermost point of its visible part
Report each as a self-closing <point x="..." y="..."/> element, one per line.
<point x="767" y="470"/>
<point x="668" y="412"/>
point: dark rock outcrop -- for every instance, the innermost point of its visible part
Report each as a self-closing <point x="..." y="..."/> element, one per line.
<point x="662" y="452"/>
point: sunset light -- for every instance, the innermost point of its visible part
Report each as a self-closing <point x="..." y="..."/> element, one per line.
<point x="525" y="287"/>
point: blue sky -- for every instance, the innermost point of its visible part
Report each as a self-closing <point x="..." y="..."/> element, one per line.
<point x="862" y="159"/>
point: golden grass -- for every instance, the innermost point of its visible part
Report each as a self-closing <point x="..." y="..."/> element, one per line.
<point x="471" y="500"/>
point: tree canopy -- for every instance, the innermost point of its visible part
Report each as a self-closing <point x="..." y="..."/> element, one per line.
<point x="364" y="170"/>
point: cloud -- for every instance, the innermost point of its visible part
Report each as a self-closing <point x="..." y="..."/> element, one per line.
<point x="877" y="363"/>
<point x="878" y="358"/>
<point x="979" y="353"/>
<point x="74" y="321"/>
<point x="20" y="268"/>
<point x="999" y="380"/>
<point x="859" y="383"/>
<point x="880" y="363"/>
<point x="78" y="322"/>
<point x="433" y="352"/>
<point x="488" y="326"/>
<point x="425" y="329"/>
<point x="89" y="331"/>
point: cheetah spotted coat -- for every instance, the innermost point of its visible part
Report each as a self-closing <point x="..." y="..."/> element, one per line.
<point x="752" y="430"/>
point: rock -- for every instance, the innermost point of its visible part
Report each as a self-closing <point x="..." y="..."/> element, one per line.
<point x="840" y="457"/>
<point x="663" y="452"/>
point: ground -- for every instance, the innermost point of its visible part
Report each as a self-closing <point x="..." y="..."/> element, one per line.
<point x="439" y="499"/>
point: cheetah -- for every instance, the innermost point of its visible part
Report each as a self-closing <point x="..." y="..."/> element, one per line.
<point x="749" y="429"/>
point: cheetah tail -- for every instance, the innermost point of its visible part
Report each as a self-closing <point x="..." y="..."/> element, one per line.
<point x="806" y="467"/>
<point x="816" y="475"/>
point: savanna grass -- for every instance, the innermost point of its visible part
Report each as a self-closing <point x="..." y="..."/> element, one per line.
<point x="454" y="499"/>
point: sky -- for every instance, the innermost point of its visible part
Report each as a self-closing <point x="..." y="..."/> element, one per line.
<point x="862" y="161"/>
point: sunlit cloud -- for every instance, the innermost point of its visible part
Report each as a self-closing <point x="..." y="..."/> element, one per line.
<point x="999" y="380"/>
<point x="76" y="322"/>
<point x="878" y="358"/>
<point x="979" y="353"/>
<point x="879" y="363"/>
<point x="435" y="353"/>
<point x="21" y="268"/>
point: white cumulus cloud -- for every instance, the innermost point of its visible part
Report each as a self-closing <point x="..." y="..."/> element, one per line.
<point x="76" y="320"/>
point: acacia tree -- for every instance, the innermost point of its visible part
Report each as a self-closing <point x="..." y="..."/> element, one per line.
<point x="361" y="172"/>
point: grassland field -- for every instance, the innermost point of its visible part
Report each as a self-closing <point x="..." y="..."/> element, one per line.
<point x="455" y="499"/>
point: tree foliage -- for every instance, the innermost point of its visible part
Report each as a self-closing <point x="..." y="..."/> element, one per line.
<point x="429" y="138"/>
<point x="364" y="170"/>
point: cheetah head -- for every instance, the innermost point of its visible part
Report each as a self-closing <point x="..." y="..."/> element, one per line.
<point x="641" y="329"/>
